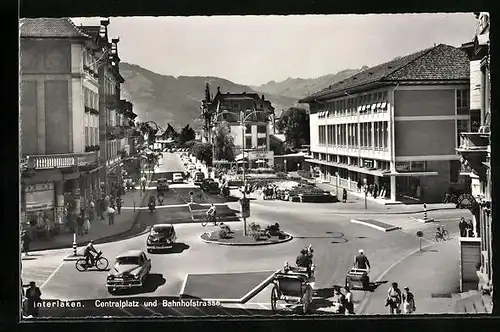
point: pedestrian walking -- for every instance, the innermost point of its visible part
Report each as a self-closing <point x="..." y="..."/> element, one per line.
<point x="375" y="190"/>
<point x="338" y="300"/>
<point x="33" y="295"/>
<point x="80" y="221"/>
<point x="462" y="226"/>
<point x="25" y="242"/>
<point x="119" y="203"/>
<point x="91" y="210"/>
<point x="359" y="186"/>
<point x="344" y="195"/>
<point x="111" y="215"/>
<point x="408" y="301"/>
<point x="394" y="299"/>
<point x="143" y="183"/>
<point x="349" y="305"/>
<point x="101" y="208"/>
<point x="86" y="224"/>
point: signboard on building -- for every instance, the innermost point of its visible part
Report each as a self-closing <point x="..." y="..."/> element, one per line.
<point x="403" y="166"/>
<point x="368" y="163"/>
<point x="39" y="196"/>
<point x="475" y="85"/>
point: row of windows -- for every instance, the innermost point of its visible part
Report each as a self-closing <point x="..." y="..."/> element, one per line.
<point x="90" y="98"/>
<point x="261" y="142"/>
<point x="260" y="129"/>
<point x="371" y="134"/>
<point x="373" y="102"/>
<point x="91" y="136"/>
<point x="109" y="86"/>
<point x="114" y="118"/>
<point x="463" y="101"/>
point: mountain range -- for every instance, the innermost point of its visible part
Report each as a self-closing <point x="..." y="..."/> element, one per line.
<point x="176" y="100"/>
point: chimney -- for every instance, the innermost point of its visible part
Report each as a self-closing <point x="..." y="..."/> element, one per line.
<point x="218" y="89"/>
<point x="104" y="28"/>
<point x="263" y="98"/>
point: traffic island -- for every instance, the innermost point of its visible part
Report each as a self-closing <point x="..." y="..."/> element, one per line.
<point x="237" y="238"/>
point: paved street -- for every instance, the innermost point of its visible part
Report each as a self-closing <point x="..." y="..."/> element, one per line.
<point x="334" y="238"/>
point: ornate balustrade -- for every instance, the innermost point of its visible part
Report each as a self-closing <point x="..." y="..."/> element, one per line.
<point x="61" y="160"/>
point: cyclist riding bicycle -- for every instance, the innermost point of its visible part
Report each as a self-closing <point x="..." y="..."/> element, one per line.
<point x="89" y="253"/>
<point x="440" y="228"/>
<point x="212" y="213"/>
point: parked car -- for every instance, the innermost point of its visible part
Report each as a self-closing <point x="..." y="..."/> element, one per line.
<point x="177" y="178"/>
<point x="191" y="167"/>
<point x="162" y="184"/>
<point x="162" y="236"/>
<point x="130" y="270"/>
<point x="210" y="186"/>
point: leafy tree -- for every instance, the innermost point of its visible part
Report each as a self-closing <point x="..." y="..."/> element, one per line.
<point x="294" y="123"/>
<point x="146" y="129"/>
<point x="187" y="134"/>
<point x="223" y="142"/>
<point x="203" y="152"/>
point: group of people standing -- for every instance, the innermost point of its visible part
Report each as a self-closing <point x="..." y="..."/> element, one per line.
<point x="397" y="299"/>
<point x="373" y="189"/>
<point x="466" y="228"/>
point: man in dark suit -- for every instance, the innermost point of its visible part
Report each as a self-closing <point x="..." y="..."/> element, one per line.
<point x="33" y="294"/>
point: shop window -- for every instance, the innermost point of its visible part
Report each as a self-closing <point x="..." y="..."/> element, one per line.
<point x="248" y="142"/>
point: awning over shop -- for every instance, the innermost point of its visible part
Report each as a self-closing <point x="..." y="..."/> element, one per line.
<point x="363" y="170"/>
<point x="412" y="174"/>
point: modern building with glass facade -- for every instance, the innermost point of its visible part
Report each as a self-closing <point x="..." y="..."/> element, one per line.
<point x="396" y="125"/>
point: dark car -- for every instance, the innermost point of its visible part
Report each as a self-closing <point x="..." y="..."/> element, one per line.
<point x="162" y="184"/>
<point x="210" y="186"/>
<point x="198" y="178"/>
<point x="161" y="237"/>
<point x="130" y="270"/>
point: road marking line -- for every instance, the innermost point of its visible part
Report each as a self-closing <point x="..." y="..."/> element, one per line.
<point x="128" y="313"/>
<point x="259" y="287"/>
<point x="221" y="308"/>
<point x="200" y="311"/>
<point x="149" y="309"/>
<point x="183" y="287"/>
<point x="263" y="306"/>
<point x="355" y="221"/>
<point x="52" y="275"/>
<point x="177" y="311"/>
<point x="243" y="308"/>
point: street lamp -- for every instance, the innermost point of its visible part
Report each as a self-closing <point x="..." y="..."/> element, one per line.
<point x="285" y="165"/>
<point x="337" y="183"/>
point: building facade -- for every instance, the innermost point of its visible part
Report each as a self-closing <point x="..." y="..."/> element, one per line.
<point x="112" y="122"/>
<point x="58" y="126"/>
<point x="475" y="149"/>
<point x="62" y="154"/>
<point x="253" y="137"/>
<point x="395" y="125"/>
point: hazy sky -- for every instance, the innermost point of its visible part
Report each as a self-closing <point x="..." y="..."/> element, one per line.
<point x="253" y="50"/>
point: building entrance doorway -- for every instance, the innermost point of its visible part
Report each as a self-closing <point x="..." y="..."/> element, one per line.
<point x="408" y="187"/>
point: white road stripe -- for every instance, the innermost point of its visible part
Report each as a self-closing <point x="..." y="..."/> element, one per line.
<point x="125" y="311"/>
<point x="263" y="306"/>
<point x="177" y="311"/>
<point x="52" y="275"/>
<point x="149" y="309"/>
<point x="243" y="308"/>
<point x="200" y="311"/>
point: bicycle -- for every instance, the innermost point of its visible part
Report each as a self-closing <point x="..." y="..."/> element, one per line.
<point x="441" y="234"/>
<point x="101" y="263"/>
<point x="206" y="220"/>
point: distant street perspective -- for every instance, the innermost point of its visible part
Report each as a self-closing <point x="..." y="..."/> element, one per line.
<point x="364" y="194"/>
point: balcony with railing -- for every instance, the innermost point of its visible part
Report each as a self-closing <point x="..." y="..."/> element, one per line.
<point x="56" y="161"/>
<point x="474" y="142"/>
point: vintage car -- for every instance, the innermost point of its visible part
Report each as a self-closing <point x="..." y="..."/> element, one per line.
<point x="162" y="236"/>
<point x="162" y="184"/>
<point x="177" y="178"/>
<point x="210" y="186"/>
<point x="198" y="177"/>
<point x="130" y="270"/>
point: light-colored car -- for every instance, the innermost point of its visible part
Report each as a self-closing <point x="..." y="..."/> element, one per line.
<point x="177" y="178"/>
<point x="130" y="270"/>
<point x="191" y="167"/>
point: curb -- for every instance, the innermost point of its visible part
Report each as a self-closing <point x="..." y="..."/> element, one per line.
<point x="355" y="221"/>
<point x="389" y="212"/>
<point x="367" y="298"/>
<point x="290" y="238"/>
<point x="99" y="239"/>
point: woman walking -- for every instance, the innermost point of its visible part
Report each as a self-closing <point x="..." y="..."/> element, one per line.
<point x="394" y="299"/>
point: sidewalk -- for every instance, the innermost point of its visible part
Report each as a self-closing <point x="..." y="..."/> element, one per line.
<point x="432" y="276"/>
<point x="99" y="230"/>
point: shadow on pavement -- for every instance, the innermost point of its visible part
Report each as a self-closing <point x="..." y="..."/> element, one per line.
<point x="374" y="285"/>
<point x="177" y="248"/>
<point x="153" y="281"/>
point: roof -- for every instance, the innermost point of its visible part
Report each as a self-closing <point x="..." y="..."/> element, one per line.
<point x="91" y="30"/>
<point x="441" y="63"/>
<point x="130" y="253"/>
<point x="163" y="226"/>
<point x="50" y="28"/>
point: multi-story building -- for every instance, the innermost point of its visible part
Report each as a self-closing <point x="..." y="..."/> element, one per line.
<point x="254" y="136"/>
<point x="396" y="125"/>
<point x="59" y="119"/>
<point x="112" y="134"/>
<point x="475" y="149"/>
